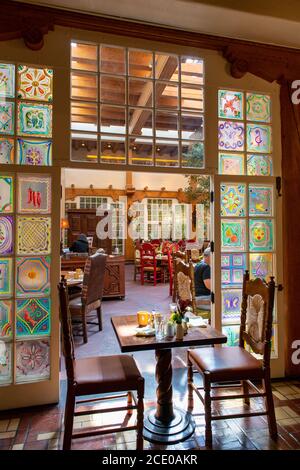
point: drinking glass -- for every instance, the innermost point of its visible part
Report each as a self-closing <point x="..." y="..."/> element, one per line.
<point x="159" y="326"/>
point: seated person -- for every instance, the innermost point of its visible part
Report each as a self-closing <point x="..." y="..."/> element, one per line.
<point x="81" y="245"/>
<point x="203" y="282"/>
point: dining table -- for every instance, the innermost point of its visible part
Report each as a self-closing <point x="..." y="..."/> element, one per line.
<point x="166" y="423"/>
<point x="71" y="278"/>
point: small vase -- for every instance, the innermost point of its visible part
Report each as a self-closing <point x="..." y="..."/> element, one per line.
<point x="179" y="332"/>
<point x="170" y="330"/>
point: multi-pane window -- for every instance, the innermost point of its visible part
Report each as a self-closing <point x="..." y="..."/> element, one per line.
<point x="91" y="202"/>
<point x="136" y="107"/>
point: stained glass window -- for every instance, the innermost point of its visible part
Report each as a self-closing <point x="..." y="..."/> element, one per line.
<point x="5" y="319"/>
<point x="6" y="150"/>
<point x="6" y="235"/>
<point x="34" y="119"/>
<point x="33" y="235"/>
<point x="5" y="362"/>
<point x="261" y="265"/>
<point x="7" y="80"/>
<point x="231" y="135"/>
<point x="231" y="104"/>
<point x="261" y="235"/>
<point x="258" y="138"/>
<point x="232" y="332"/>
<point x="32" y="360"/>
<point x="35" y="83"/>
<point x="231" y="164"/>
<point x="258" y="107"/>
<point x="5" y="277"/>
<point x="6" y="193"/>
<point x="232" y="269"/>
<point x="34" y="152"/>
<point x="260" y="200"/>
<point x="233" y="200"/>
<point x="34" y="194"/>
<point x="7" y="117"/>
<point x="231" y="305"/>
<point x="259" y="165"/>
<point x="33" y="317"/>
<point x="233" y="235"/>
<point x="33" y="276"/>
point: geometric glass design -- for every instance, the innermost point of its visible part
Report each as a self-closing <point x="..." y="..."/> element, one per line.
<point x="233" y="200"/>
<point x="231" y="164"/>
<point x="231" y="135"/>
<point x="5" y="318"/>
<point x="6" y="150"/>
<point x="32" y="360"/>
<point x="34" y="83"/>
<point x="7" y="80"/>
<point x="231" y="305"/>
<point x="7" y="125"/>
<point x="33" y="276"/>
<point x="261" y="235"/>
<point x="33" y="317"/>
<point x="231" y="104"/>
<point x="232" y="269"/>
<point x="261" y="265"/>
<point x="34" y="194"/>
<point x="34" y="119"/>
<point x="233" y="235"/>
<point x="6" y="235"/>
<point x="260" y="200"/>
<point x="34" y="152"/>
<point x="5" y="362"/>
<point x="5" y="277"/>
<point x="259" y="165"/>
<point x="258" y="107"/>
<point x="233" y="333"/>
<point x="33" y="235"/>
<point x="259" y="138"/>
<point x="6" y="194"/>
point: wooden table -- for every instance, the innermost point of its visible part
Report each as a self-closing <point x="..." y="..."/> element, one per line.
<point x="164" y="424"/>
<point x="72" y="281"/>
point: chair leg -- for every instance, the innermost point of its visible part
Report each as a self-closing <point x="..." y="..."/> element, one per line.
<point x="129" y="402"/>
<point x="246" y="392"/>
<point x="270" y="407"/>
<point x="140" y="415"/>
<point x="99" y="315"/>
<point x="84" y="327"/>
<point x="207" y="407"/>
<point x="68" y="420"/>
<point x="190" y="382"/>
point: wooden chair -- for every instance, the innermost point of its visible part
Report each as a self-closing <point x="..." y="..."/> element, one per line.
<point x="95" y="376"/>
<point x="91" y="294"/>
<point x="184" y="284"/>
<point x="149" y="267"/>
<point x="193" y="254"/>
<point x="137" y="263"/>
<point x="231" y="364"/>
<point x="173" y="248"/>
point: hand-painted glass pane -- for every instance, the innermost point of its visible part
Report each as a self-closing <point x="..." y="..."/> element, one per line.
<point x="5" y="362"/>
<point x="231" y="104"/>
<point x="6" y="194"/>
<point x="34" y="152"/>
<point x="259" y="165"/>
<point x="34" y="194"/>
<point x="33" y="235"/>
<point x="34" y="119"/>
<point x="6" y="151"/>
<point x="232" y="332"/>
<point x="231" y="135"/>
<point x="32" y="360"/>
<point x="5" y="319"/>
<point x="261" y="235"/>
<point x="33" y="276"/>
<point x="6" y="235"/>
<point x="231" y="305"/>
<point x="5" y="277"/>
<point x="261" y="265"/>
<point x="233" y="235"/>
<point x="7" y="116"/>
<point x="34" y="84"/>
<point x="233" y="200"/>
<point x="260" y="200"/>
<point x="232" y="269"/>
<point x="258" y="107"/>
<point x="7" y="80"/>
<point x="259" y="138"/>
<point x="231" y="164"/>
<point x="33" y="317"/>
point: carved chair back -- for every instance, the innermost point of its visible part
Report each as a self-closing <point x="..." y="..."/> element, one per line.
<point x="93" y="281"/>
<point x="184" y="284"/>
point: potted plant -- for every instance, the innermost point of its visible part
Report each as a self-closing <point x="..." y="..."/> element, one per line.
<point x="177" y="318"/>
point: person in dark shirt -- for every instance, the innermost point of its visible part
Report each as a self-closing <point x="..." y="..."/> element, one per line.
<point x="203" y="281"/>
<point x="81" y="245"/>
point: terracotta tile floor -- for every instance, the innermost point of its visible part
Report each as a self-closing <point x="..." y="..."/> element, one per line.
<point x="41" y="427"/>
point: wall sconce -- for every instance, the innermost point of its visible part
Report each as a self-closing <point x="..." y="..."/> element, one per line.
<point x="163" y="188"/>
<point x="73" y="186"/>
<point x="146" y="188"/>
<point x="91" y="186"/>
<point x="110" y="186"/>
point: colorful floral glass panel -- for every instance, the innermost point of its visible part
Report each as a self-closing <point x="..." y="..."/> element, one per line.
<point x="7" y="80"/>
<point x="33" y="317"/>
<point x="232" y="270"/>
<point x="33" y="235"/>
<point x="261" y="235"/>
<point x="231" y="104"/>
<point x="7" y="115"/>
<point x="33" y="276"/>
<point x="6" y="151"/>
<point x="6" y="235"/>
<point x="34" y="194"/>
<point x="260" y="200"/>
<point x="259" y="165"/>
<point x="233" y="200"/>
<point x="5" y="277"/>
<point x="34" y="83"/>
<point x="32" y="360"/>
<point x="233" y="235"/>
<point x="231" y="305"/>
<point x="258" y="107"/>
<point x="259" y="138"/>
<point x="34" y="119"/>
<point x="5" y="362"/>
<point x="231" y="164"/>
<point x="5" y="318"/>
<point x="261" y="265"/>
<point x="6" y="193"/>
<point x="233" y="333"/>
<point x="35" y="152"/>
<point x="231" y="135"/>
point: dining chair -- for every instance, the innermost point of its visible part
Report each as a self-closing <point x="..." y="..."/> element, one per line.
<point x="137" y="263"/>
<point x="150" y="271"/>
<point x="236" y="364"/>
<point x="116" y="375"/>
<point x="91" y="294"/>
